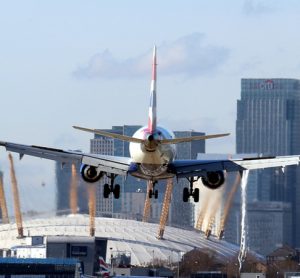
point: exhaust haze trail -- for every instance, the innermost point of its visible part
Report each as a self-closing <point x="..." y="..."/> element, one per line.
<point x="216" y="201"/>
<point x="204" y="200"/>
<point x="228" y="204"/>
<point x="243" y="245"/>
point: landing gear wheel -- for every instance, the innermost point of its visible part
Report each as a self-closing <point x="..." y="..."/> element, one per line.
<point x="106" y="191"/>
<point x="186" y="194"/>
<point x="196" y="195"/>
<point x="116" y="191"/>
<point x="150" y="194"/>
<point x="156" y="194"/>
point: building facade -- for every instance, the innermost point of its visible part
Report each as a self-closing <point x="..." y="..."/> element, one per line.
<point x="268" y="123"/>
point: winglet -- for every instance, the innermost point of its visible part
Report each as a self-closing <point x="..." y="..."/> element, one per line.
<point x="152" y="106"/>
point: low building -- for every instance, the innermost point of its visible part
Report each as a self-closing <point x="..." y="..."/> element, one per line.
<point x="253" y="275"/>
<point x="51" y="268"/>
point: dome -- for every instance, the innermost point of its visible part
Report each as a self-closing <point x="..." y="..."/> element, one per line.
<point x="134" y="237"/>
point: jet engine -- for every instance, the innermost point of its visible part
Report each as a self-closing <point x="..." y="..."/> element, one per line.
<point x="90" y="173"/>
<point x="213" y="180"/>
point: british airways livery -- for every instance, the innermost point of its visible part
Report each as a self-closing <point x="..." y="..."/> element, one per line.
<point x="152" y="157"/>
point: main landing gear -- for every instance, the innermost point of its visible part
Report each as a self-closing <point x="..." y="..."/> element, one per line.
<point x="153" y="191"/>
<point x="187" y="192"/>
<point x="111" y="188"/>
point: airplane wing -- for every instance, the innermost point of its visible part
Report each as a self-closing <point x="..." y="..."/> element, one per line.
<point x="190" y="168"/>
<point x="111" y="164"/>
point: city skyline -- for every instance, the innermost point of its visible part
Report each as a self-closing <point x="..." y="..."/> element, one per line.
<point x="54" y="53"/>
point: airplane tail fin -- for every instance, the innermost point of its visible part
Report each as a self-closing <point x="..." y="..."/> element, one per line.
<point x="152" y="106"/>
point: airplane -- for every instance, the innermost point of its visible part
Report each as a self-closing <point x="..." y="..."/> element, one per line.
<point x="152" y="157"/>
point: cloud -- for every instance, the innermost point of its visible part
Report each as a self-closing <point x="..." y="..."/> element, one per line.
<point x="189" y="56"/>
<point x="256" y="7"/>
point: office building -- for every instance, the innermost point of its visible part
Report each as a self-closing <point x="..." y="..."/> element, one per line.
<point x="268" y="123"/>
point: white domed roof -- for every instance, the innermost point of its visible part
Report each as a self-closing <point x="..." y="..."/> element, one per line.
<point x="132" y="236"/>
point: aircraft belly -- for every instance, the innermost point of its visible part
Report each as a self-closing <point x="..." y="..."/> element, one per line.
<point x="143" y="172"/>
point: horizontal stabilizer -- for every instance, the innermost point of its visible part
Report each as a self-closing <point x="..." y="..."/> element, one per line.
<point x="110" y="134"/>
<point x="192" y="138"/>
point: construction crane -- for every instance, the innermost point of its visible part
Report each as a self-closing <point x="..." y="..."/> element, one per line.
<point x="15" y="191"/>
<point x="165" y="209"/>
<point x="147" y="206"/>
<point x="92" y="208"/>
<point x="73" y="190"/>
<point x="3" y="206"/>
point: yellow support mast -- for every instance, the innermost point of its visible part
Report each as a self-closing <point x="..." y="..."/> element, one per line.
<point x="15" y="191"/>
<point x="3" y="206"/>
<point x="92" y="208"/>
<point x="165" y="209"/>
<point x="73" y="190"/>
<point x="147" y="206"/>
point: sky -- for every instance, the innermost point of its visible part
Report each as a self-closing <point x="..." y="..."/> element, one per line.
<point x="88" y="63"/>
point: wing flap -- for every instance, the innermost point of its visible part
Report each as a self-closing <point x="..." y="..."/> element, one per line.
<point x="186" y="168"/>
<point x="190" y="168"/>
<point x="261" y="163"/>
<point x="109" y="164"/>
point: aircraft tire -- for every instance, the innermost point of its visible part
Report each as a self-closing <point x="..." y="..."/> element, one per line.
<point x="106" y="191"/>
<point x="116" y="191"/>
<point x="156" y="194"/>
<point x="196" y="195"/>
<point x="185" y="195"/>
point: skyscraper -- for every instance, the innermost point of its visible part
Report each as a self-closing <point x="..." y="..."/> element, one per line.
<point x="268" y="123"/>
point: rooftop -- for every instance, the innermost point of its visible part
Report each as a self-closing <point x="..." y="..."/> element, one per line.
<point x="138" y="238"/>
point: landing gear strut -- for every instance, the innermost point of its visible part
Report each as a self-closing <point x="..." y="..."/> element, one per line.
<point x="187" y="192"/>
<point x="153" y="191"/>
<point x="111" y="188"/>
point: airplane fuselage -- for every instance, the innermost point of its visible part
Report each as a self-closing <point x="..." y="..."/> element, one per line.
<point x="151" y="160"/>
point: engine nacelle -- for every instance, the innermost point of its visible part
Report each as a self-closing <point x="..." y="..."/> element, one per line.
<point x="90" y="173"/>
<point x="213" y="180"/>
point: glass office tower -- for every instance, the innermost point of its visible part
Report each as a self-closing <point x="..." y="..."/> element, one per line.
<point x="268" y="123"/>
